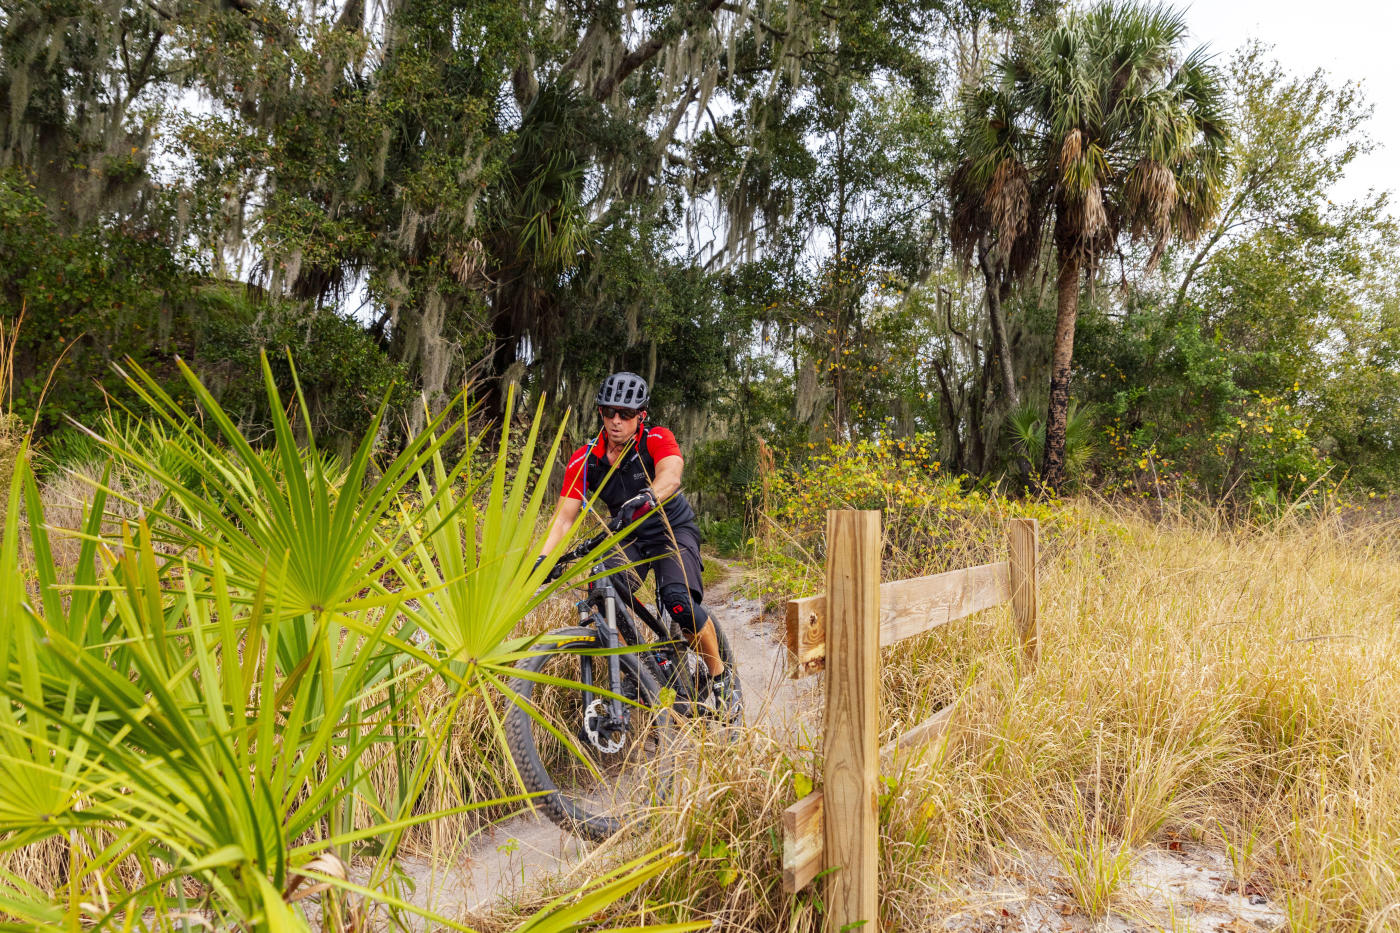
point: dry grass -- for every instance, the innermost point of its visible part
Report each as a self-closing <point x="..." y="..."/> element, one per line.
<point x="1226" y="685"/>
<point x="67" y="495"/>
<point x="12" y="427"/>
<point x="1235" y="688"/>
<point x="11" y="437"/>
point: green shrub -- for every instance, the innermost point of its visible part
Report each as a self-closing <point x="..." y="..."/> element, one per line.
<point x="104" y="294"/>
<point x="932" y="521"/>
<point x="1264" y="458"/>
<point x="343" y="373"/>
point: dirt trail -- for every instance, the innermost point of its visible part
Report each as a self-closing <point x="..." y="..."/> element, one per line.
<point x="1025" y="892"/>
<point x="517" y="854"/>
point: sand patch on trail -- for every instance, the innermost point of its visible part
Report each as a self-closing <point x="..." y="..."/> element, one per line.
<point x="1184" y="887"/>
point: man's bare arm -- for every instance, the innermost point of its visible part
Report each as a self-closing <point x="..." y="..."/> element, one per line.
<point x="668" y="477"/>
<point x="565" y="514"/>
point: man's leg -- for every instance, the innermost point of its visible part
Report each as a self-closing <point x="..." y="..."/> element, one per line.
<point x="721" y="684"/>
<point x="679" y="587"/>
<point x="679" y="590"/>
<point x="707" y="643"/>
<point x="693" y="620"/>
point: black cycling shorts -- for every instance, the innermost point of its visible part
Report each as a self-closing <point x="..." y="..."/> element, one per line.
<point x="675" y="561"/>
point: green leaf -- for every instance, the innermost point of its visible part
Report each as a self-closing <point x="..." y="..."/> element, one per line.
<point x="801" y="785"/>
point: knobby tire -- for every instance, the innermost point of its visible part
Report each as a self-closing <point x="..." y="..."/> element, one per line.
<point x="570" y="801"/>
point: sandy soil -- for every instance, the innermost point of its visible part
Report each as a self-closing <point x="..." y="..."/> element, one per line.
<point x="1182" y="887"/>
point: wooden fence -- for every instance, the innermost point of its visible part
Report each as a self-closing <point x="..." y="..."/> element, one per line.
<point x="842" y="632"/>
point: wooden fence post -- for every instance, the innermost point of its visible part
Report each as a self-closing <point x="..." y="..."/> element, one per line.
<point x="1023" y="540"/>
<point x="852" y="720"/>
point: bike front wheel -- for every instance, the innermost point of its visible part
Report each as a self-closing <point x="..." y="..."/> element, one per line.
<point x="594" y="775"/>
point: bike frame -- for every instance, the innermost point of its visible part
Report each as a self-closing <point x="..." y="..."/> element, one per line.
<point x="611" y="608"/>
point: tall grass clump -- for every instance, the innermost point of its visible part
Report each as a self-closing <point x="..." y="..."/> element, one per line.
<point x="11" y="425"/>
<point x="224" y="712"/>
<point x="1215" y="691"/>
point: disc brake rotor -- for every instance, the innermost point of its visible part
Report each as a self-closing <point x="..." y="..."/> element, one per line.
<point x="607" y="741"/>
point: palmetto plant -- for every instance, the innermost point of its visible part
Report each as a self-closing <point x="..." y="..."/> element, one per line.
<point x="1099" y="129"/>
<point x="191" y="720"/>
<point x="1027" y="428"/>
<point x="251" y="508"/>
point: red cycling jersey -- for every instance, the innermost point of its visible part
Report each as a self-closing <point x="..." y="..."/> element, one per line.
<point x="633" y="474"/>
<point x="659" y="443"/>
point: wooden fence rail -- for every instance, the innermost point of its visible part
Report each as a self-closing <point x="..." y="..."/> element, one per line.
<point x="841" y="632"/>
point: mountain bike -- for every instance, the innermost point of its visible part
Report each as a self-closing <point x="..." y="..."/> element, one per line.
<point x="594" y="727"/>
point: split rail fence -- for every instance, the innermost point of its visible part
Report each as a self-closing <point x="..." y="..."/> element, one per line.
<point x="842" y="631"/>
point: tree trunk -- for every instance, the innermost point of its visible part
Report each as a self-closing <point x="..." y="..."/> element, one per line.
<point x="505" y="343"/>
<point x="950" y="439"/>
<point x="979" y="405"/>
<point x="991" y="416"/>
<point x="992" y="280"/>
<point x="1057" y="417"/>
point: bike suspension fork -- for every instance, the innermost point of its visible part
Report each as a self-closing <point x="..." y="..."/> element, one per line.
<point x="614" y="661"/>
<point x="585" y="663"/>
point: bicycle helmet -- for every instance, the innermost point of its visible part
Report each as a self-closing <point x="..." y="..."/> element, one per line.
<point x="623" y="390"/>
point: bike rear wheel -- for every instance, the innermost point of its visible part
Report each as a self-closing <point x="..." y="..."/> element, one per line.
<point x="593" y="781"/>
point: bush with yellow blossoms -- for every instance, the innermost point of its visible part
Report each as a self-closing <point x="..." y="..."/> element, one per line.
<point x="931" y="521"/>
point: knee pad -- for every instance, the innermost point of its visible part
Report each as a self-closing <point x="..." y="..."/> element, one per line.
<point x="681" y="606"/>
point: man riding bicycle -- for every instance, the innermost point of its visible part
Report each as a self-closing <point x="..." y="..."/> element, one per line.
<point x="635" y="469"/>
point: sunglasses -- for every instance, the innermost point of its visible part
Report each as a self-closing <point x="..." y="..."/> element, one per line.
<point x="626" y="414"/>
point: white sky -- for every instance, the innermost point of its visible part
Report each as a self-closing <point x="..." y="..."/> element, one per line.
<point x="1355" y="40"/>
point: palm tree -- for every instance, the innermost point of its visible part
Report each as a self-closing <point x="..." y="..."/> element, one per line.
<point x="1098" y="129"/>
<point x="991" y="214"/>
<point x="536" y="231"/>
